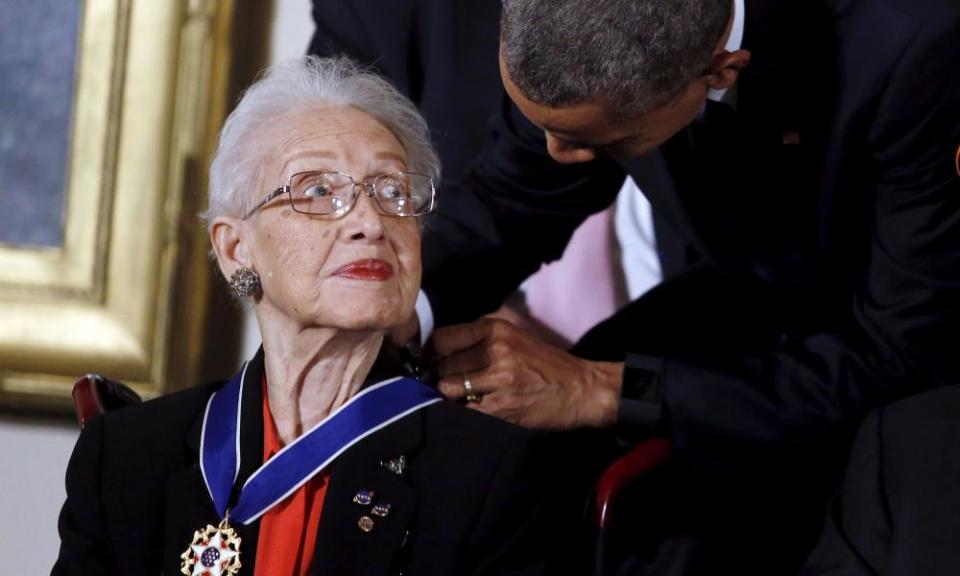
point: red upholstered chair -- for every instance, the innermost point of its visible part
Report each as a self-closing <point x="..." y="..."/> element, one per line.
<point x="634" y="470"/>
<point x="95" y="394"/>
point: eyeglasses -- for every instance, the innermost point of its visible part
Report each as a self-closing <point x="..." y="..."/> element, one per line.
<point x="335" y="193"/>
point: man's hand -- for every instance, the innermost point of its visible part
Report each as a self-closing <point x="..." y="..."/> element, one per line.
<point x="524" y="380"/>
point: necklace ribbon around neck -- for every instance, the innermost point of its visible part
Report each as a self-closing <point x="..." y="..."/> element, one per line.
<point x="370" y="410"/>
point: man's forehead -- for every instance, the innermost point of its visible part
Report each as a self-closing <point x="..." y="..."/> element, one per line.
<point x="589" y="125"/>
<point x="578" y="121"/>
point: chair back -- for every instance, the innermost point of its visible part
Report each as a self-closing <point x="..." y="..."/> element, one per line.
<point x="95" y="394"/>
<point x="616" y="517"/>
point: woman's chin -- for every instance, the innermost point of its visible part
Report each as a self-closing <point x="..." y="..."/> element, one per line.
<point x="370" y="321"/>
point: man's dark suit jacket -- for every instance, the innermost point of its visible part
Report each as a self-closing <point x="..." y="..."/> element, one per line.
<point x="473" y="499"/>
<point x="899" y="511"/>
<point x="821" y="219"/>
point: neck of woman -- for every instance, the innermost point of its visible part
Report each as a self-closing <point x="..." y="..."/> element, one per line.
<point x="312" y="372"/>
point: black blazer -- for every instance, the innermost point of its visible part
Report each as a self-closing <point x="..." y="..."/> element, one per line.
<point x="471" y="501"/>
<point x="899" y="511"/>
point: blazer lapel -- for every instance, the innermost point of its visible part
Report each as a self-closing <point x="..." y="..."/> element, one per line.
<point x="652" y="173"/>
<point x="352" y="537"/>
<point x="189" y="506"/>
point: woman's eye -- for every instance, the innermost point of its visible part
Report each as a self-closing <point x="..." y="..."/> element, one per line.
<point x="317" y="191"/>
<point x="392" y="191"/>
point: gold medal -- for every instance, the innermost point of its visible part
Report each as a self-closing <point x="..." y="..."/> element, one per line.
<point x="213" y="552"/>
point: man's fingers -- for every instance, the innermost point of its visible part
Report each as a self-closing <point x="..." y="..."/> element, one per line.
<point x="452" y="388"/>
<point x="472" y="359"/>
<point x="451" y="339"/>
<point x="455" y="387"/>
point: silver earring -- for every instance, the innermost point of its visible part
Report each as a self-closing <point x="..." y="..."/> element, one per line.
<point x="244" y="282"/>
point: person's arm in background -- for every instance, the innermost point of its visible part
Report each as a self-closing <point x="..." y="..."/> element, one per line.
<point x="442" y="54"/>
<point x="373" y="32"/>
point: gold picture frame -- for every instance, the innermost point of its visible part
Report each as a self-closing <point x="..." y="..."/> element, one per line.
<point x="126" y="293"/>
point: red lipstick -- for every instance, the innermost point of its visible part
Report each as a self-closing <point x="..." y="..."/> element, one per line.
<point x="371" y="269"/>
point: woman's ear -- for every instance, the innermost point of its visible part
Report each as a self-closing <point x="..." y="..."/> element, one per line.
<point x="725" y="68"/>
<point x="229" y="241"/>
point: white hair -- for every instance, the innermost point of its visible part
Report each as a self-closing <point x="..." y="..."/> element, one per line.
<point x="302" y="84"/>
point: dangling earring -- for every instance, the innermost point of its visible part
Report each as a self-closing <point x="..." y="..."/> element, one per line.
<point x="244" y="282"/>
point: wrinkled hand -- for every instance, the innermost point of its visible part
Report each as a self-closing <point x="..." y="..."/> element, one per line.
<point x="523" y="380"/>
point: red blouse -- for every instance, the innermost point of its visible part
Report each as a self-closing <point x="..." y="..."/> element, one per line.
<point x="288" y="531"/>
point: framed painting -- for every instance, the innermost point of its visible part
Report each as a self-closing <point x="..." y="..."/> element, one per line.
<point x="111" y="109"/>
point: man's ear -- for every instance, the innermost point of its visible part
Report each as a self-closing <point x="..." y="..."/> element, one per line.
<point x="228" y="237"/>
<point x="725" y="68"/>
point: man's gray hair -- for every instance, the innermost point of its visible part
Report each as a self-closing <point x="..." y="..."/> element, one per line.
<point x="631" y="55"/>
<point x="301" y="85"/>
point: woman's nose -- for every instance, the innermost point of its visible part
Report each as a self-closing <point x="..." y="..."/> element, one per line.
<point x="364" y="222"/>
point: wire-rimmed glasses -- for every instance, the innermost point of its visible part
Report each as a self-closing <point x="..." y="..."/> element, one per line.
<point x="335" y="193"/>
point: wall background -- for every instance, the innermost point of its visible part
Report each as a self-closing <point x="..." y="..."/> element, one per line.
<point x="34" y="451"/>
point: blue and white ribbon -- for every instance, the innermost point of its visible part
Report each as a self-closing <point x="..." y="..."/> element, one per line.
<point x="370" y="410"/>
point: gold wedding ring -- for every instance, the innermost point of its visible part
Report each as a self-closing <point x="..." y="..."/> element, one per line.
<point x="471" y="395"/>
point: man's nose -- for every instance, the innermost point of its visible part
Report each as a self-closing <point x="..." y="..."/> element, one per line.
<point x="566" y="153"/>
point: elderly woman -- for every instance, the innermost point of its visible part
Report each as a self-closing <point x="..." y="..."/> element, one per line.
<point x="323" y="455"/>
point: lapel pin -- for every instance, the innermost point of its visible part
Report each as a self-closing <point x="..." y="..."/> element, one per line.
<point x="380" y="510"/>
<point x="365" y="523"/>
<point x="364" y="497"/>
<point x="396" y="465"/>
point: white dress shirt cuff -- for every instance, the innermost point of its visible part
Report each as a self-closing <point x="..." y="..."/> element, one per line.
<point x="425" y="315"/>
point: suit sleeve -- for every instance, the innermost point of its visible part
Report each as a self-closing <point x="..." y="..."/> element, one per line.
<point x="515" y="210"/>
<point x="857" y="534"/>
<point x="84" y="543"/>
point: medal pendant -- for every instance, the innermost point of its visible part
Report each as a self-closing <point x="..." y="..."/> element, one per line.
<point x="213" y="552"/>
